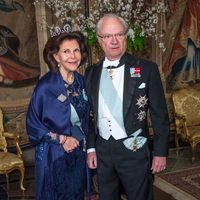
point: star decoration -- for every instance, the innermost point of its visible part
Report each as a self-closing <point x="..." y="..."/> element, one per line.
<point x="141" y="115"/>
<point x="142" y="101"/>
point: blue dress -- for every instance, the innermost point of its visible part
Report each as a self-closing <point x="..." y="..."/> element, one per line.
<point x="59" y="175"/>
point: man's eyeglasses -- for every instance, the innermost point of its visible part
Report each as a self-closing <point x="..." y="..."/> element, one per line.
<point x="108" y="37"/>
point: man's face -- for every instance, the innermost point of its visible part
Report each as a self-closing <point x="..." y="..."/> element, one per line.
<point x="112" y="38"/>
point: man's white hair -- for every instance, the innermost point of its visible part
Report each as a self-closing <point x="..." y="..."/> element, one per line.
<point x="111" y="15"/>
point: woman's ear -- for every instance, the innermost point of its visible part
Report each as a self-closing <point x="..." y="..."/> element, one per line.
<point x="56" y="57"/>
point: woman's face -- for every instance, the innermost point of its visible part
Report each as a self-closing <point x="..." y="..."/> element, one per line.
<point x="69" y="55"/>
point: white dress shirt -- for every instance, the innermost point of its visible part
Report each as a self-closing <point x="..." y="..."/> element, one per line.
<point x="107" y="124"/>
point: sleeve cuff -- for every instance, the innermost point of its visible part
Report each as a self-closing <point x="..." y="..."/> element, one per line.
<point x="91" y="150"/>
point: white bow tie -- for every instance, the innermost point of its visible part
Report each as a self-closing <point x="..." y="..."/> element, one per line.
<point x="107" y="63"/>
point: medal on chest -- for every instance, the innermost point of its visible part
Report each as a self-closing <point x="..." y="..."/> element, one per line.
<point x="111" y="73"/>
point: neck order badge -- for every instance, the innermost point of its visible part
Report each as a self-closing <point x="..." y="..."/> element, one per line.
<point x="111" y="71"/>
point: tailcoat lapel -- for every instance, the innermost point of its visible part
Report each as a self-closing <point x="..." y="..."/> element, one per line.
<point x="129" y="83"/>
<point x="95" y="88"/>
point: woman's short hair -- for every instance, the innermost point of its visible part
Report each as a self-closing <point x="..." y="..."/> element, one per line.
<point x="53" y="45"/>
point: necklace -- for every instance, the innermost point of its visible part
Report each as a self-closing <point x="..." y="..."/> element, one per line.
<point x="68" y="76"/>
<point x="72" y="79"/>
<point x="69" y="80"/>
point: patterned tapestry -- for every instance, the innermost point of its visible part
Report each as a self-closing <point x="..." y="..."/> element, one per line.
<point x="182" y="58"/>
<point x="19" y="62"/>
<point x="18" y="44"/>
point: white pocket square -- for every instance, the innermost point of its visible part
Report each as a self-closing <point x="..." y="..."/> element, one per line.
<point x="143" y="85"/>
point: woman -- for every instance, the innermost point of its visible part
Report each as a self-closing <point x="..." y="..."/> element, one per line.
<point x="57" y="120"/>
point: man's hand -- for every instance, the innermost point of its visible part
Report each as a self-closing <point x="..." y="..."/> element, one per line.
<point x="158" y="164"/>
<point x="92" y="160"/>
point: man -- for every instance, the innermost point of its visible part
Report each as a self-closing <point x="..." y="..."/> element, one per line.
<point x="120" y="98"/>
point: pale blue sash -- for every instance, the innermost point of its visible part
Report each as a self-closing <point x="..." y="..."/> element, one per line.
<point x="111" y="97"/>
<point x="77" y="133"/>
<point x="114" y="104"/>
<point x="74" y="117"/>
<point x="134" y="141"/>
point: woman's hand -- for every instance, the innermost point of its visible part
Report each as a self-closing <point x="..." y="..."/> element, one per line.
<point x="62" y="139"/>
<point x="70" y="144"/>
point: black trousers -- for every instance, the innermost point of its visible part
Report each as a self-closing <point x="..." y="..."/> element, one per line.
<point x="117" y="165"/>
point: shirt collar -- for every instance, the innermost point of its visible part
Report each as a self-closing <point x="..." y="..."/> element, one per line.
<point x="107" y="62"/>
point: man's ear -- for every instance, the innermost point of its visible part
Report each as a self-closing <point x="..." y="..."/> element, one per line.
<point x="56" y="57"/>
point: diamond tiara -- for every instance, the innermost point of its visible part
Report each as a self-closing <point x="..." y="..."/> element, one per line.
<point x="56" y="30"/>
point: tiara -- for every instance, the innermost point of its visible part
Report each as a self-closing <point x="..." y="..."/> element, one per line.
<point x="56" y="30"/>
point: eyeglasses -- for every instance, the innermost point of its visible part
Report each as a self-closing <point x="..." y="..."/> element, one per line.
<point x="108" y="37"/>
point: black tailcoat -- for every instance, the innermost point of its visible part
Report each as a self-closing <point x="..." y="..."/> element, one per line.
<point x="152" y="90"/>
